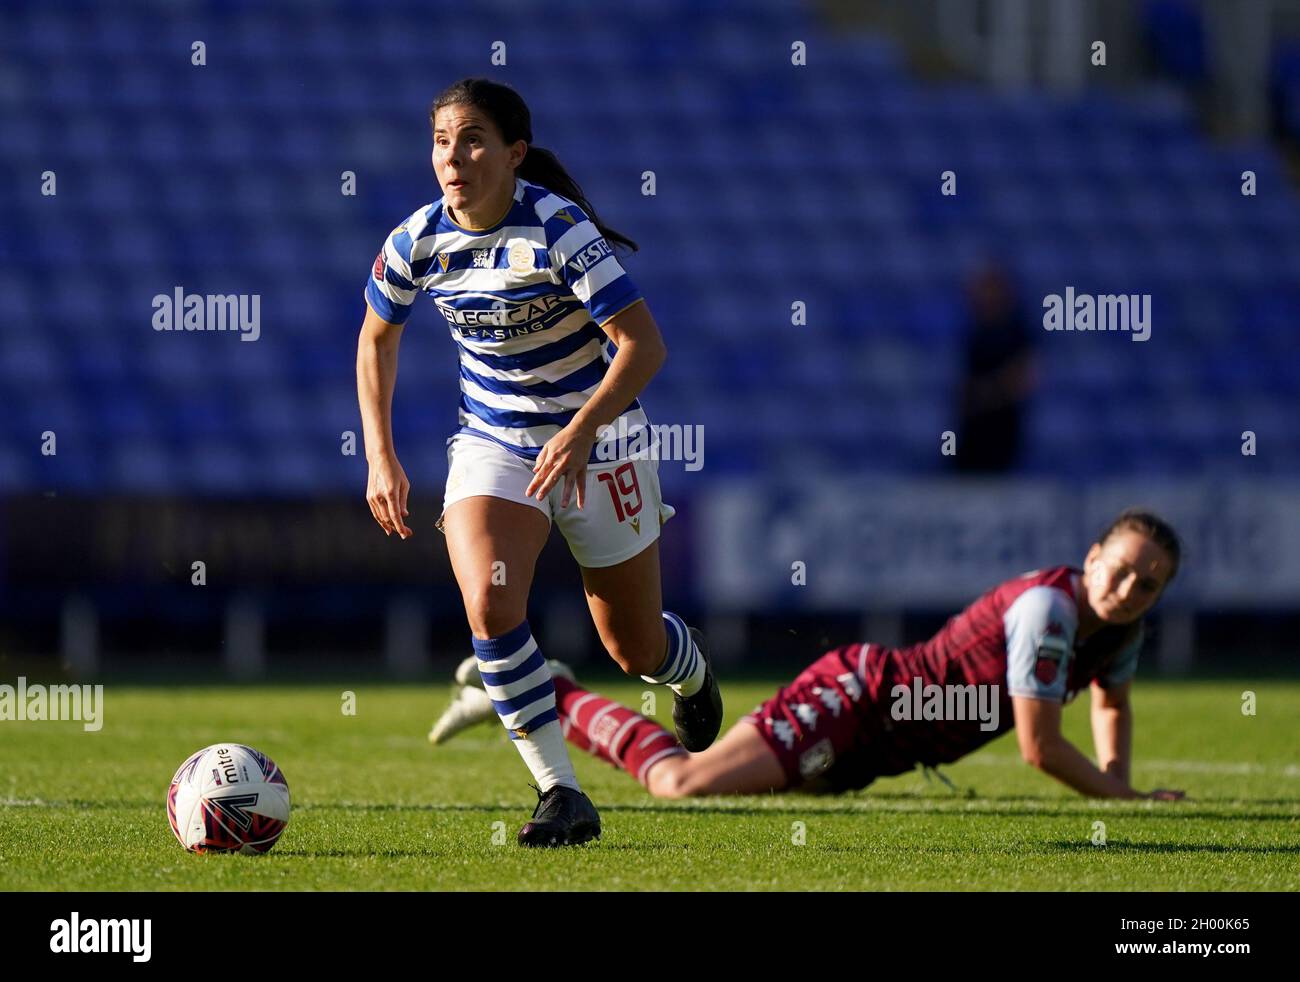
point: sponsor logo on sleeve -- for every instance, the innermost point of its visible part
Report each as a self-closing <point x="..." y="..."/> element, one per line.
<point x="587" y="257"/>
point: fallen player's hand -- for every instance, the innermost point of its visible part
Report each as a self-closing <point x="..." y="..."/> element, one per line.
<point x="1164" y="794"/>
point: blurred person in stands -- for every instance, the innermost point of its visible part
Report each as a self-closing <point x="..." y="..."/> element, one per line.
<point x="999" y="376"/>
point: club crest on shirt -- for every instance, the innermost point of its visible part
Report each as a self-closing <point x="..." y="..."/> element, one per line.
<point x="521" y="256"/>
<point x="1051" y="655"/>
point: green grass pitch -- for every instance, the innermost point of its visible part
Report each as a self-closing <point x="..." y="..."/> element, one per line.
<point x="375" y="808"/>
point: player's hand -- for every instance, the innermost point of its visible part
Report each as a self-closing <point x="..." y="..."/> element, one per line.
<point x="565" y="456"/>
<point x="386" y="492"/>
<point x="1164" y="794"/>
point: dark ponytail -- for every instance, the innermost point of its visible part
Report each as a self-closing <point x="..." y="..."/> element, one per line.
<point x="505" y="107"/>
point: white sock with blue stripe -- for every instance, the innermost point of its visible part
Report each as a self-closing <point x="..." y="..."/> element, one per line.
<point x="683" y="668"/>
<point x="518" y="681"/>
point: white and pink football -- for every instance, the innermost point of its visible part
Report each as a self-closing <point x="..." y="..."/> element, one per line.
<point x="228" y="798"/>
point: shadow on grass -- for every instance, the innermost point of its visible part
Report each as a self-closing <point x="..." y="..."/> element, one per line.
<point x="604" y="846"/>
<point x="798" y="805"/>
<point x="1168" y="847"/>
<point x="360" y="853"/>
<point x="813" y="807"/>
<point x="675" y="848"/>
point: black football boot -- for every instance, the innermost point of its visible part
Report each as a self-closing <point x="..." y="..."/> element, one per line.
<point x="698" y="718"/>
<point x="563" y="817"/>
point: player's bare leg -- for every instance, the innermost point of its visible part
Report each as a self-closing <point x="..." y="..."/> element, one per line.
<point x="482" y="531"/>
<point x="626" y="604"/>
<point x="494" y="544"/>
<point x="739" y="763"/>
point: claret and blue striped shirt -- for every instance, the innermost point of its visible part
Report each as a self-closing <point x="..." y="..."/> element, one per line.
<point x="524" y="300"/>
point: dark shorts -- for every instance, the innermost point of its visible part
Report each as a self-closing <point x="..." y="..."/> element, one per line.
<point x="824" y="725"/>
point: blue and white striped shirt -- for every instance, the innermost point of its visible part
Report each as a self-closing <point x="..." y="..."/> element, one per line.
<point x="523" y="300"/>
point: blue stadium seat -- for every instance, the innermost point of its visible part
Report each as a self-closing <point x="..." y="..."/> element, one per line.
<point x="775" y="184"/>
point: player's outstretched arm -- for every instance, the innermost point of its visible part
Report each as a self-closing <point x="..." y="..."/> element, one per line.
<point x="1112" y="734"/>
<point x="1112" y="728"/>
<point x="1038" y="730"/>
<point x="387" y="486"/>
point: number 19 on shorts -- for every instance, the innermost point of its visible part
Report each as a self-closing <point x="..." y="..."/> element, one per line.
<point x="623" y="489"/>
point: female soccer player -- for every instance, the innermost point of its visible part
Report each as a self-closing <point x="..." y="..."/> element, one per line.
<point x="1031" y="644"/>
<point x="522" y="270"/>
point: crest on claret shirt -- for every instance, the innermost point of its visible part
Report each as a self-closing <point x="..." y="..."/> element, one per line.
<point x="1051" y="655"/>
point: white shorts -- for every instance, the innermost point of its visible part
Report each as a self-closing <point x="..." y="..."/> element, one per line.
<point x="621" y="513"/>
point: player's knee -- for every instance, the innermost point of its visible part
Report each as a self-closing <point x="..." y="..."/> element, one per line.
<point x="490" y="612"/>
<point x="678" y="782"/>
<point x="665" y="785"/>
